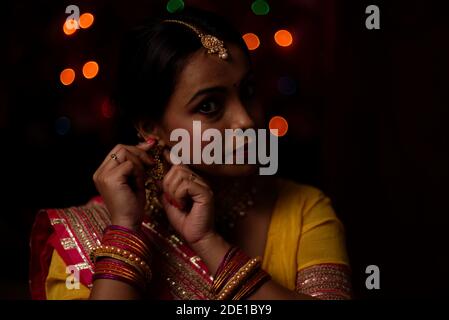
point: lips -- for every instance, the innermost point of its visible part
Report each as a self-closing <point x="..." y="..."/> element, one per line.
<point x="245" y="149"/>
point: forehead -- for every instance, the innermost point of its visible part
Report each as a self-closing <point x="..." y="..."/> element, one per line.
<point x="204" y="70"/>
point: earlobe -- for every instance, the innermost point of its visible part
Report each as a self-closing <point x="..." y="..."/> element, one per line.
<point x="147" y="131"/>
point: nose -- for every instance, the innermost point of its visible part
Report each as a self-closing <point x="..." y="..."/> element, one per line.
<point x="240" y="119"/>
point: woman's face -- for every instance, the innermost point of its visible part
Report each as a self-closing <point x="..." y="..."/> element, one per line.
<point x="220" y="94"/>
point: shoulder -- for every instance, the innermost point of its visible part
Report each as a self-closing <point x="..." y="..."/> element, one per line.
<point x="304" y="202"/>
<point x="302" y="194"/>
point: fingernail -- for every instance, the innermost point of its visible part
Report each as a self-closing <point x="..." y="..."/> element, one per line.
<point x="176" y="205"/>
<point x="172" y="202"/>
<point x="150" y="141"/>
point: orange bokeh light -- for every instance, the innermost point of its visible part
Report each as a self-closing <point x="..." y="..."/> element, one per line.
<point x="70" y="26"/>
<point x="283" y="38"/>
<point x="90" y="69"/>
<point x="86" y="20"/>
<point x="67" y="76"/>
<point x="252" y="41"/>
<point x="279" y="123"/>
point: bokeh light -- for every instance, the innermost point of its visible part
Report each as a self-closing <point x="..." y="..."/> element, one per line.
<point x="260" y="7"/>
<point x="175" y="5"/>
<point x="62" y="125"/>
<point x="252" y="41"/>
<point x="70" y="26"/>
<point x="107" y="109"/>
<point x="90" y="69"/>
<point x="286" y="86"/>
<point x="279" y="123"/>
<point x="86" y="20"/>
<point x="283" y="38"/>
<point x="67" y="76"/>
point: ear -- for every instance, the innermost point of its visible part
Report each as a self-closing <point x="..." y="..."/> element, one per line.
<point x="148" y="129"/>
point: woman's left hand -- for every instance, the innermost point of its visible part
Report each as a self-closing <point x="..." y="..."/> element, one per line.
<point x="189" y="203"/>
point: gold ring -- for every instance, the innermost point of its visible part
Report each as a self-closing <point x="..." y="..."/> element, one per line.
<point x="114" y="156"/>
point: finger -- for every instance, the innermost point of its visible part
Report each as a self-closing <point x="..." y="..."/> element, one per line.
<point x="122" y="172"/>
<point x="174" y="214"/>
<point x="189" y="189"/>
<point x="190" y="175"/>
<point x="176" y="178"/>
<point x="109" y="163"/>
<point x="171" y="179"/>
<point x="169" y="156"/>
<point x="122" y="156"/>
<point x="141" y="152"/>
<point x="114" y="150"/>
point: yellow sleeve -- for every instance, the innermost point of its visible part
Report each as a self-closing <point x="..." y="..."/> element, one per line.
<point x="55" y="285"/>
<point x="322" y="238"/>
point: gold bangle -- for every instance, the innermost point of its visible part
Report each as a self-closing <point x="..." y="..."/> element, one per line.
<point x="239" y="277"/>
<point x="124" y="256"/>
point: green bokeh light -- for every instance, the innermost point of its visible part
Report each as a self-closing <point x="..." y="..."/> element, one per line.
<point x="175" y="5"/>
<point x="260" y="7"/>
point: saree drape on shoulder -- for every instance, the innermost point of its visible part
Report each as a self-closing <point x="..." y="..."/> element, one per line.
<point x="305" y="250"/>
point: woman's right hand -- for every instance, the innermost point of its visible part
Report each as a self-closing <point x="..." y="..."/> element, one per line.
<point x="121" y="183"/>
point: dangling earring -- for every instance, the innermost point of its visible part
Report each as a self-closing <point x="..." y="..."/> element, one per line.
<point x="152" y="189"/>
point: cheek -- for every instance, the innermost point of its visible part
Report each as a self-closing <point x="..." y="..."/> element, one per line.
<point x="172" y="122"/>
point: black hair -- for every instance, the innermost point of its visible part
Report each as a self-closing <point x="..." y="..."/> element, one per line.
<point x="152" y="56"/>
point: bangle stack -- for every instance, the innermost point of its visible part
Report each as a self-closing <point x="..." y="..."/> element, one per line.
<point x="123" y="256"/>
<point x="238" y="276"/>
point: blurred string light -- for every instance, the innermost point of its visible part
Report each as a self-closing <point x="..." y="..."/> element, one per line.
<point x="67" y="76"/>
<point x="90" y="69"/>
<point x="287" y="86"/>
<point x="62" y="125"/>
<point x="86" y="20"/>
<point x="252" y="41"/>
<point x="175" y="5"/>
<point x="283" y="38"/>
<point x="279" y="123"/>
<point x="260" y="7"/>
<point x="107" y="109"/>
<point x="70" y="26"/>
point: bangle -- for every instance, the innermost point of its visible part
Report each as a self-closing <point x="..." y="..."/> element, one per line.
<point x="238" y="279"/>
<point x="124" y="255"/>
<point x="255" y="282"/>
<point x="238" y="276"/>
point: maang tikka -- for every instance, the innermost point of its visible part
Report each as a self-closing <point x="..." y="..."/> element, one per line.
<point x="212" y="44"/>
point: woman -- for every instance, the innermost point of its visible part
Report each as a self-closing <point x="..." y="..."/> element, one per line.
<point x="165" y="231"/>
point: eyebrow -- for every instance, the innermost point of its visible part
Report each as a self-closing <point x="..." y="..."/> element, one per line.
<point x="206" y="91"/>
<point x="220" y="89"/>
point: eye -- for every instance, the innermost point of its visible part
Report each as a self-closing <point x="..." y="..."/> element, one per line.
<point x="208" y="107"/>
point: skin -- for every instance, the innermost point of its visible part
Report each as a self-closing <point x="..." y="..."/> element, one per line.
<point x="227" y="102"/>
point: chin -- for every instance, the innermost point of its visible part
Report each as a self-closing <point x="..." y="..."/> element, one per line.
<point x="230" y="170"/>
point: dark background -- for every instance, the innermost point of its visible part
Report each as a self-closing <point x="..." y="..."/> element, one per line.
<point x="367" y="113"/>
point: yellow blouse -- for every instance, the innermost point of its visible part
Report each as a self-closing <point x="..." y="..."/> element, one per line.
<point x="304" y="231"/>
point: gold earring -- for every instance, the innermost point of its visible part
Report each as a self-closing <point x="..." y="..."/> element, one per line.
<point x="154" y="176"/>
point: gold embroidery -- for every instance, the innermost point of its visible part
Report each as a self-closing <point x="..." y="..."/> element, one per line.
<point x="178" y="268"/>
<point x="68" y="243"/>
<point x="56" y="221"/>
<point x="182" y="271"/>
<point x="82" y="266"/>
<point x="325" y="281"/>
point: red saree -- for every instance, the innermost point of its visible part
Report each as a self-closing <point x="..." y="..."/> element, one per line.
<point x="73" y="232"/>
